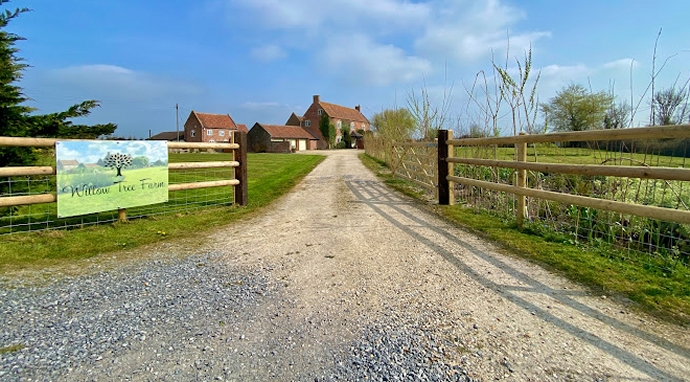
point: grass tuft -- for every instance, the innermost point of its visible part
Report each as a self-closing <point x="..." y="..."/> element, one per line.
<point x="11" y="348"/>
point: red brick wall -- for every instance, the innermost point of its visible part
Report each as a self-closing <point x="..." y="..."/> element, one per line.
<point x="192" y="124"/>
<point x="312" y="115"/>
<point x="200" y="135"/>
<point x="216" y="137"/>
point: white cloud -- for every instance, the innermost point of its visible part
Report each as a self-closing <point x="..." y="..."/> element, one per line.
<point x="310" y="14"/>
<point x="100" y="80"/>
<point x="360" y="60"/>
<point x="624" y="64"/>
<point x="137" y="101"/>
<point x="268" y="53"/>
<point x="568" y="73"/>
<point x="382" y="42"/>
<point x="468" y="31"/>
<point x="555" y="77"/>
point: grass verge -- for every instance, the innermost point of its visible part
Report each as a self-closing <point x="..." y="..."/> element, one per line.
<point x="663" y="295"/>
<point x="270" y="176"/>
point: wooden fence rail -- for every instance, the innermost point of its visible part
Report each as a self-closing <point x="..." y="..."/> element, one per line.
<point x="519" y="188"/>
<point x="239" y="165"/>
<point x="412" y="161"/>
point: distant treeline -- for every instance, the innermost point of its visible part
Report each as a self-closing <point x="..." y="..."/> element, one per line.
<point x="665" y="147"/>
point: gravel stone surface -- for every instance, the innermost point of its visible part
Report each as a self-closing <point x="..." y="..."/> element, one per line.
<point x="341" y="280"/>
<point x="90" y="322"/>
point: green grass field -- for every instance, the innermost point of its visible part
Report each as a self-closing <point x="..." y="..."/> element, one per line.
<point x="549" y="153"/>
<point x="270" y="176"/>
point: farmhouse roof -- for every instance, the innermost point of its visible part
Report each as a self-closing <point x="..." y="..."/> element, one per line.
<point x="287" y="132"/>
<point x="298" y="117"/>
<point x="68" y="162"/>
<point x="216" y="121"/>
<point x="167" y="136"/>
<point x="342" y="112"/>
<point x="242" y="127"/>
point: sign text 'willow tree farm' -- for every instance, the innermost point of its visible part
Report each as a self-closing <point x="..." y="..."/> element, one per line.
<point x="95" y="176"/>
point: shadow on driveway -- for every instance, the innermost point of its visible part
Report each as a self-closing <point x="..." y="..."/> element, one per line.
<point x="379" y="198"/>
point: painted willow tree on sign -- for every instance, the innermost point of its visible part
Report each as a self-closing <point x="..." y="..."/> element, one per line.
<point x="117" y="161"/>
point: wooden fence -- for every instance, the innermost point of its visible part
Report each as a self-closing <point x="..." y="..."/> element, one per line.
<point x="238" y="181"/>
<point x="447" y="177"/>
<point x="416" y="162"/>
<point x="412" y="161"/>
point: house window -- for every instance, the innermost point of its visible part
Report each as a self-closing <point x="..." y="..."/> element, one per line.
<point x="363" y="127"/>
<point x="221" y="133"/>
<point x="352" y="125"/>
<point x="340" y="124"/>
<point x="209" y="132"/>
<point x="192" y="133"/>
<point x="307" y="123"/>
<point x="320" y="111"/>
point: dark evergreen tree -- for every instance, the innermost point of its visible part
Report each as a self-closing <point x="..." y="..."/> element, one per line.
<point x="16" y="119"/>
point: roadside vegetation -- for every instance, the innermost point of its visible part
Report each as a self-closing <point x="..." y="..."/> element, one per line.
<point x="642" y="260"/>
<point x="270" y="176"/>
<point x="662" y="294"/>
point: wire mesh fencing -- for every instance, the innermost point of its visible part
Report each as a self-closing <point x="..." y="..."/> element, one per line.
<point x="634" y="183"/>
<point x="654" y="242"/>
<point x="44" y="216"/>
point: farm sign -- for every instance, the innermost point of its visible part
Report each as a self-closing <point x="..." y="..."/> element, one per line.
<point x="95" y="176"/>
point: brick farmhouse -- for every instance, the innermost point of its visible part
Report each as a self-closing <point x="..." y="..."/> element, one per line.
<point x="339" y="116"/>
<point x="210" y="128"/>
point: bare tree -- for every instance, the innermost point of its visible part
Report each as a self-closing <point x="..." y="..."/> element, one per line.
<point x="670" y="106"/>
<point x="651" y="87"/>
<point x="430" y="117"/>
<point x="618" y="116"/>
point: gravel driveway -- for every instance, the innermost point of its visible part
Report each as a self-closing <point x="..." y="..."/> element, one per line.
<point x="342" y="279"/>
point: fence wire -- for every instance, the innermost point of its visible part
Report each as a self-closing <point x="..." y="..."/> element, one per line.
<point x="659" y="244"/>
<point x="38" y="217"/>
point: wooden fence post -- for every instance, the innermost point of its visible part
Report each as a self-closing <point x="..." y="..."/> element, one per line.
<point x="122" y="215"/>
<point x="451" y="169"/>
<point x="521" y="212"/>
<point x="446" y="188"/>
<point x="240" y="155"/>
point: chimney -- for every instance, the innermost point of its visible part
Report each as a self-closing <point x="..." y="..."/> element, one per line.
<point x="317" y="98"/>
<point x="357" y="108"/>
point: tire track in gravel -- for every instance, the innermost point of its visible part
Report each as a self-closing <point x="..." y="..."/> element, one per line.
<point x="343" y="279"/>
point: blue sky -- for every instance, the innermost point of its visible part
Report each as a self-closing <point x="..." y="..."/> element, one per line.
<point x="260" y="60"/>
